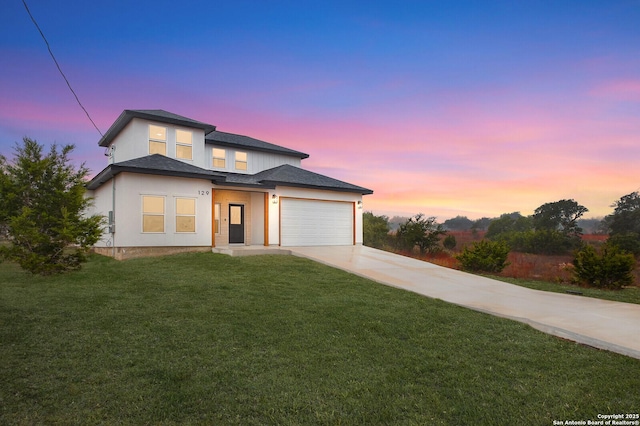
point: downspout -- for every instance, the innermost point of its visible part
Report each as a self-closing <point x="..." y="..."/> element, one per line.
<point x="112" y="225"/>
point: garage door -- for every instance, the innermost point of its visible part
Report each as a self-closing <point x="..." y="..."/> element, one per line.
<point x="315" y="223"/>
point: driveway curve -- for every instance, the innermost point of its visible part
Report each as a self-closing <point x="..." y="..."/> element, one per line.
<point x="603" y="324"/>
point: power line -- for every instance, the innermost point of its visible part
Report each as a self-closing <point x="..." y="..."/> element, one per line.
<point x="58" y="66"/>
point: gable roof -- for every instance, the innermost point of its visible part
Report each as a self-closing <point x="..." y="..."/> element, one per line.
<point x="153" y="115"/>
<point x="233" y="140"/>
<point x="155" y="164"/>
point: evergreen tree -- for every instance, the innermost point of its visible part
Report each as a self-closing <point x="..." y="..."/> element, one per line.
<point x="42" y="202"/>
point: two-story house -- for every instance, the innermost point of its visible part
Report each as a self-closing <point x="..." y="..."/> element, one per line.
<point x="176" y="184"/>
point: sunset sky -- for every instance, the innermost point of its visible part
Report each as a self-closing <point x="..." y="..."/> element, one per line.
<point x="442" y="107"/>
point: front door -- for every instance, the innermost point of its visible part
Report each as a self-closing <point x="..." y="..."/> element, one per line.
<point x="236" y="224"/>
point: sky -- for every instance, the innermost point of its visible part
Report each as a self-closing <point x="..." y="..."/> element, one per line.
<point x="472" y="108"/>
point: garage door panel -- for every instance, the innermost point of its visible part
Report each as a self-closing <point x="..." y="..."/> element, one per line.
<point x="314" y="222"/>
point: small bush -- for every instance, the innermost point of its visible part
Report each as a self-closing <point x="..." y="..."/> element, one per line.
<point x="610" y="270"/>
<point x="484" y="256"/>
<point x="449" y="242"/>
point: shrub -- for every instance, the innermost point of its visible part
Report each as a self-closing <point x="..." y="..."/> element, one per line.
<point x="610" y="270"/>
<point x="449" y="242"/>
<point x="485" y="256"/>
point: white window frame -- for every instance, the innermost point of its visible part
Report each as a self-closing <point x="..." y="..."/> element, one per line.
<point x="184" y="144"/>
<point x="222" y="159"/>
<point x="195" y="210"/>
<point x="154" y="138"/>
<point x="162" y="214"/>
<point x="240" y="162"/>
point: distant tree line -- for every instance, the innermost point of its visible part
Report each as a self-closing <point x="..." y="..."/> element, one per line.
<point x="554" y="228"/>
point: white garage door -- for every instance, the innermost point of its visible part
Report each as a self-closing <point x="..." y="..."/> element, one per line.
<point x="315" y="223"/>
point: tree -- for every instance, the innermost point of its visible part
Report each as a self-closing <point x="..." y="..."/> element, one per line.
<point x="481" y="224"/>
<point x="420" y="231"/>
<point x="560" y="216"/>
<point x="42" y="199"/>
<point x="458" y="223"/>
<point x="624" y="223"/>
<point x="508" y="223"/>
<point x="375" y="230"/>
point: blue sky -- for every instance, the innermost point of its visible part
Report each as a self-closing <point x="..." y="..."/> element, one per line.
<point x="445" y="108"/>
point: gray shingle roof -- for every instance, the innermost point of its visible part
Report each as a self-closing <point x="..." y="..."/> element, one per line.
<point x="154" y="164"/>
<point x="233" y="140"/>
<point x="289" y="175"/>
<point x="154" y="115"/>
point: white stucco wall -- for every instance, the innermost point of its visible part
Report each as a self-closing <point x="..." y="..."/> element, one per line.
<point x="129" y="190"/>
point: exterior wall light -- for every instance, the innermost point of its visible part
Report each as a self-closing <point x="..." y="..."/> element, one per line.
<point x="359" y="204"/>
<point x="274" y="199"/>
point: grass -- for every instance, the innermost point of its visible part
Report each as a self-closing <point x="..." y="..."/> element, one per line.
<point x="211" y="339"/>
<point x="628" y="294"/>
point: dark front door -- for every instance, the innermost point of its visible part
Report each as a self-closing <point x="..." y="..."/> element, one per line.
<point x="236" y="223"/>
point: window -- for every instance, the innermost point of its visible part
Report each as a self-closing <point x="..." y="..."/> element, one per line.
<point x="157" y="140"/>
<point x="185" y="215"/>
<point x="241" y="161"/>
<point x="219" y="158"/>
<point x="184" y="145"/>
<point x="216" y="217"/>
<point x="152" y="213"/>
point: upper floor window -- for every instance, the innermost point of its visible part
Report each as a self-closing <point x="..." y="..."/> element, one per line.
<point x="152" y="213"/>
<point x="185" y="215"/>
<point x="184" y="144"/>
<point x="157" y="140"/>
<point x="219" y="158"/>
<point x="241" y="161"/>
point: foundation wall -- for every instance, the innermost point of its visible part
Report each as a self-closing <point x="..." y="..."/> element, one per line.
<point x="124" y="253"/>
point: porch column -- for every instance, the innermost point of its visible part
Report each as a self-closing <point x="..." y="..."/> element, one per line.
<point x="213" y="217"/>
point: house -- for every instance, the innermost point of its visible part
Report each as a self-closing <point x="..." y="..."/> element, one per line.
<point x="175" y="184"/>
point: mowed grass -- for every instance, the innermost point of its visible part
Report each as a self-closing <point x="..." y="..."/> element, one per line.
<point x="627" y="294"/>
<point x="211" y="339"/>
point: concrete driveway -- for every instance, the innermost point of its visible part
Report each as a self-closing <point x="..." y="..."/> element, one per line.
<point x="612" y="326"/>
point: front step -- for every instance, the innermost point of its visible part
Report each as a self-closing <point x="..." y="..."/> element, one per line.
<point x="250" y="250"/>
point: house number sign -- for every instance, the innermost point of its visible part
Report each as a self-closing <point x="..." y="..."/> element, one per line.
<point x="203" y="192"/>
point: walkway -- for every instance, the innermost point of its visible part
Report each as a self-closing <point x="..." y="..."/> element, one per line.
<point x="603" y="324"/>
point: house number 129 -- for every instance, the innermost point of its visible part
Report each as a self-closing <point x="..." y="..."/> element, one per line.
<point x="203" y="192"/>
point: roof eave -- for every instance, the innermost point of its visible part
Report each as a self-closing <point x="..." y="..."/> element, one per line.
<point x="362" y="191"/>
<point x="112" y="170"/>
<point x="128" y="115"/>
<point x="296" y="154"/>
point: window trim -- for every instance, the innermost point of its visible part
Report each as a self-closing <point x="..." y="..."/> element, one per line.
<point x="156" y="139"/>
<point x="245" y="162"/>
<point x="163" y="214"/>
<point x="194" y="215"/>
<point x="217" y="208"/>
<point x="223" y="158"/>
<point x="184" y="144"/>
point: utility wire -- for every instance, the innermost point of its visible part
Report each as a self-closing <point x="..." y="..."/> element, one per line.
<point x="59" y="69"/>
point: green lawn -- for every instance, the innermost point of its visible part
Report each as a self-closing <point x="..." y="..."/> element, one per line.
<point x="211" y="339"/>
<point x="628" y="294"/>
